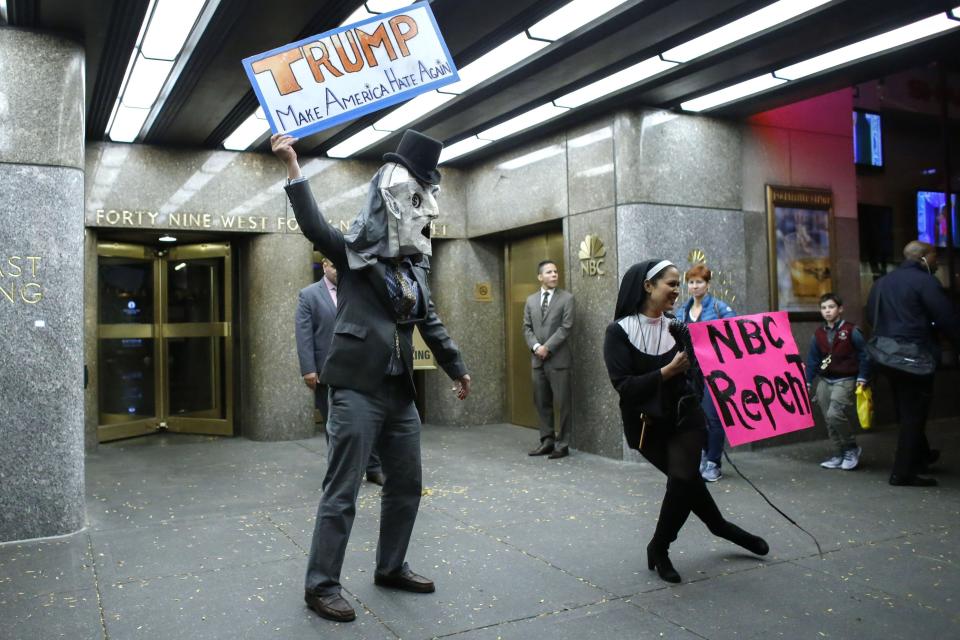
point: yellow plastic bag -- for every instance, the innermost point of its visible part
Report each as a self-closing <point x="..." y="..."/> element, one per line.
<point x="865" y="406"/>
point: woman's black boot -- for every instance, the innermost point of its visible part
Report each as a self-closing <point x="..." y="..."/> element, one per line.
<point x="750" y="542"/>
<point x="657" y="559"/>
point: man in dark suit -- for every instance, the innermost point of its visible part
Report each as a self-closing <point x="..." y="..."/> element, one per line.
<point x="382" y="264"/>
<point x="547" y="322"/>
<point x="316" y="313"/>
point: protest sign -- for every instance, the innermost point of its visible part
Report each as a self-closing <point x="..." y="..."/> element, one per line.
<point x="342" y="74"/>
<point x="754" y="374"/>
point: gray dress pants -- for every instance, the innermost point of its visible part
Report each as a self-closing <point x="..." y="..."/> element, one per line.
<point x="357" y="421"/>
<point x="551" y="385"/>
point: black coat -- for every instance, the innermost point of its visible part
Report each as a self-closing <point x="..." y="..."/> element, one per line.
<point x="912" y="305"/>
<point x="363" y="334"/>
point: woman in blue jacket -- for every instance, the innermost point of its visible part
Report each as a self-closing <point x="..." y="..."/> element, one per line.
<point x="702" y="307"/>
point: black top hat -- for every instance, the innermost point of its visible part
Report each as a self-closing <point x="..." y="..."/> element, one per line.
<point x="419" y="154"/>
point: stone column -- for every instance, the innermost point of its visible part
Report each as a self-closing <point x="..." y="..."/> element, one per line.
<point x="277" y="405"/>
<point x="41" y="285"/>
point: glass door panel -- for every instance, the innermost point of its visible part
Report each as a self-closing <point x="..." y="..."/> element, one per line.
<point x="127" y="348"/>
<point x="196" y="321"/>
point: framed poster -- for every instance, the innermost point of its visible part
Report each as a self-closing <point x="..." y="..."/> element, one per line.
<point x="800" y="227"/>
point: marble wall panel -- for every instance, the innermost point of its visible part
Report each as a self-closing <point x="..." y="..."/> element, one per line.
<point x="591" y="179"/>
<point x="765" y="159"/>
<point x="648" y="231"/>
<point x="668" y="158"/>
<point x="596" y="417"/>
<point x="519" y="188"/>
<point x="276" y="404"/>
<point x="41" y="99"/>
<point x="476" y="327"/>
<point x="41" y="378"/>
<point x="453" y="203"/>
<point x="825" y="161"/>
<point x="757" y="298"/>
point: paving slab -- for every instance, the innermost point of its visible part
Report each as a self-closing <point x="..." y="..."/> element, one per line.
<point x="256" y="602"/>
<point x="46" y="566"/>
<point x="65" y="614"/>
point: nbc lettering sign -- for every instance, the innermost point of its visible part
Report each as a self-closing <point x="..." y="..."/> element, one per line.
<point x="339" y="75"/>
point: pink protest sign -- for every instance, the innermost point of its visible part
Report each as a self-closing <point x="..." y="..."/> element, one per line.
<point x="754" y="374"/>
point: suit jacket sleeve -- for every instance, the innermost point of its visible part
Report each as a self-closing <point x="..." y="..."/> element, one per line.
<point x="529" y="337"/>
<point x="444" y="349"/>
<point x="556" y="340"/>
<point x="303" y="323"/>
<point x="312" y="224"/>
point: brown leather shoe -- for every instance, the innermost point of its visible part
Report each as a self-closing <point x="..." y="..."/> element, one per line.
<point x="559" y="453"/>
<point x="545" y="447"/>
<point x="405" y="580"/>
<point x="332" y="607"/>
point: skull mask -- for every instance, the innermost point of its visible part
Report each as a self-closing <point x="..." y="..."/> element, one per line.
<point x="411" y="208"/>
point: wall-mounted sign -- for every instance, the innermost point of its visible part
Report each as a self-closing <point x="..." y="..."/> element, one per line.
<point x="342" y="74"/>
<point x="592" y="254"/>
<point x="482" y="292"/>
<point x="145" y="219"/>
<point x="19" y="280"/>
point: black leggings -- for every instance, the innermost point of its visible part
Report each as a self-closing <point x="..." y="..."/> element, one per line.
<point x="677" y="455"/>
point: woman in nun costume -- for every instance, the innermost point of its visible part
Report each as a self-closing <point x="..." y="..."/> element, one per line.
<point x="660" y="404"/>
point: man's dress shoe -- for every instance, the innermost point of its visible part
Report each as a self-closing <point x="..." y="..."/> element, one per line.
<point x="405" y="580"/>
<point x="376" y="477"/>
<point x="912" y="481"/>
<point x="559" y="453"/>
<point x="331" y="607"/>
<point x="545" y="447"/>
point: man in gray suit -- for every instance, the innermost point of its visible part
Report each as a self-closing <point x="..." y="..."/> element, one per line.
<point x="382" y="265"/>
<point x="547" y="321"/>
<point x="316" y="313"/>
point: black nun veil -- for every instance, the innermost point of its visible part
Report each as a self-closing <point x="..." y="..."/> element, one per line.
<point x="632" y="294"/>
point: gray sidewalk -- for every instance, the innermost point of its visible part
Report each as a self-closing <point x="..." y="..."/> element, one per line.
<point x="202" y="538"/>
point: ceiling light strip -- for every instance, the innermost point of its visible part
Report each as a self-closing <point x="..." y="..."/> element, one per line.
<point x="875" y="45"/>
<point x="160" y="45"/>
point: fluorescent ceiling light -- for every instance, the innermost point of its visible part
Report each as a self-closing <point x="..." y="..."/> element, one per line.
<point x="127" y="122"/>
<point x="749" y="25"/>
<point x="614" y="82"/>
<point x="412" y="110"/>
<point x="523" y="121"/>
<point x="493" y="62"/>
<point x="169" y="27"/>
<point x="570" y="17"/>
<point x="358" y="142"/>
<point x="145" y="82"/>
<point x="729" y="94"/>
<point x="458" y="149"/>
<point x="889" y="40"/>
<point x="249" y="131"/>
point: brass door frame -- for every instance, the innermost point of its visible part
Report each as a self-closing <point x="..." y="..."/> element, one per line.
<point x="520" y="283"/>
<point x="201" y="422"/>
<point x="117" y="426"/>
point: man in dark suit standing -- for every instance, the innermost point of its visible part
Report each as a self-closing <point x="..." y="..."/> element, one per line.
<point x="316" y="313"/>
<point x="547" y="322"/>
<point x="382" y="265"/>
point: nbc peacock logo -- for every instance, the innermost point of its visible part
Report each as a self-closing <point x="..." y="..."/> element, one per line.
<point x="592" y="254"/>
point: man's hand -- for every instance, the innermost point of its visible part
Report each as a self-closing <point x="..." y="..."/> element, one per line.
<point x="542" y="352"/>
<point x="462" y="386"/>
<point x="311" y="381"/>
<point x="282" y="146"/>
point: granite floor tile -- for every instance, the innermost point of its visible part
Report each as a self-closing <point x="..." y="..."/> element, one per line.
<point x="68" y="614"/>
<point x="46" y="566"/>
